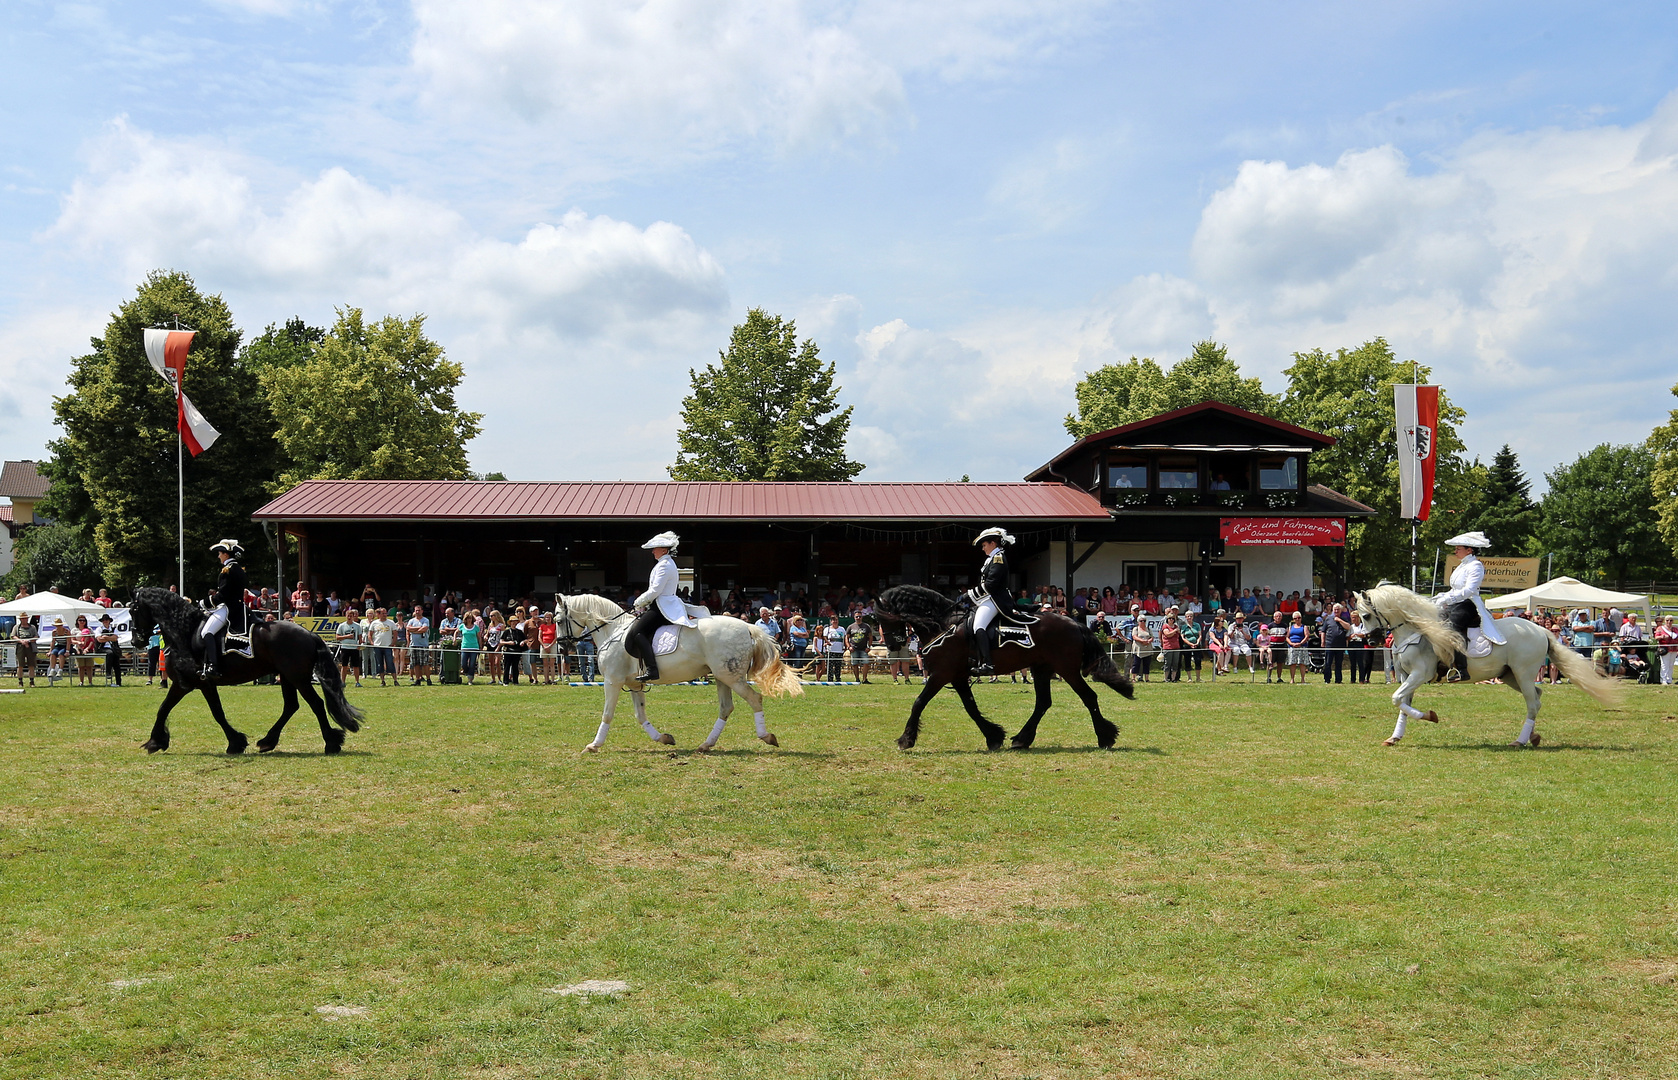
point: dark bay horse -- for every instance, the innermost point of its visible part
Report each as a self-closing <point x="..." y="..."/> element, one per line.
<point x="282" y="649"/>
<point x="1059" y="647"/>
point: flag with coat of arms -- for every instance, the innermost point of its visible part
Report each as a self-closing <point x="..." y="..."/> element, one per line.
<point x="167" y="349"/>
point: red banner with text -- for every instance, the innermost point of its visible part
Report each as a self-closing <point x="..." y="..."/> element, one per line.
<point x="1306" y="532"/>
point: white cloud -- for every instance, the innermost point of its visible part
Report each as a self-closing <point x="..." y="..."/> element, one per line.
<point x="697" y="74"/>
<point x="1535" y="271"/>
<point x="586" y="318"/>
<point x="149" y="203"/>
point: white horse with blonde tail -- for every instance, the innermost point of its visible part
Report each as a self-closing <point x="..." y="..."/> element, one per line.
<point x="725" y="648"/>
<point x="1422" y="640"/>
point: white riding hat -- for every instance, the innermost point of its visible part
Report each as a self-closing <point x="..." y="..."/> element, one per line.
<point x="1469" y="539"/>
<point x="663" y="540"/>
<point x="999" y="535"/>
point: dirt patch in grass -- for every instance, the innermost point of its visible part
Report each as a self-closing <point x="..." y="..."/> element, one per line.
<point x="983" y="893"/>
<point x="1659" y="971"/>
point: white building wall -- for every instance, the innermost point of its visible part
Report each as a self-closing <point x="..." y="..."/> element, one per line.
<point x="5" y="550"/>
<point x="1281" y="567"/>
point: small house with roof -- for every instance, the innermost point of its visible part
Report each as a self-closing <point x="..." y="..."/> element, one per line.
<point x="23" y="484"/>
<point x="1205" y="496"/>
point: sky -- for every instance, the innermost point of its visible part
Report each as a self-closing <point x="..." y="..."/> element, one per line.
<point x="967" y="205"/>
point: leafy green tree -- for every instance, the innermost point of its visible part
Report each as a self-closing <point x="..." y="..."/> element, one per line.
<point x="1663" y="477"/>
<point x="768" y="411"/>
<point x="55" y="556"/>
<point x="1118" y="394"/>
<point x="369" y="401"/>
<point x="113" y="470"/>
<point x="1348" y="394"/>
<point x="288" y="346"/>
<point x="1504" y="509"/>
<point x="1598" y="515"/>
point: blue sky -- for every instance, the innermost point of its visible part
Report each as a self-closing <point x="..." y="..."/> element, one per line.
<point x="967" y="204"/>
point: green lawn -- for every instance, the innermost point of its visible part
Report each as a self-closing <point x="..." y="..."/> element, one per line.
<point x="1252" y="886"/>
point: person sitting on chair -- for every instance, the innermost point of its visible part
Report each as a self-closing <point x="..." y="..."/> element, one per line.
<point x="662" y="604"/>
<point x="1462" y="606"/>
<point x="991" y="590"/>
<point x="230" y="601"/>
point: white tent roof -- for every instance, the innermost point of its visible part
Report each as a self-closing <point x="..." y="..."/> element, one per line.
<point x="48" y="603"/>
<point x="1562" y="592"/>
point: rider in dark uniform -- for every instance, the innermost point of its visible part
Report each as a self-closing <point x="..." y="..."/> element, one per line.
<point x="229" y="597"/>
<point x="990" y="594"/>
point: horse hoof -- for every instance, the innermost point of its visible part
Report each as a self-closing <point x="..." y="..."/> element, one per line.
<point x="1390" y="742"/>
<point x="235" y="749"/>
<point x="705" y="747"/>
<point x="152" y="746"/>
<point x="1537" y="738"/>
<point x="905" y="743"/>
<point x="591" y="749"/>
<point x="993" y="747"/>
<point x="666" y="739"/>
<point x="770" y="739"/>
<point x="1018" y="745"/>
<point x="266" y="747"/>
<point x="1431" y="717"/>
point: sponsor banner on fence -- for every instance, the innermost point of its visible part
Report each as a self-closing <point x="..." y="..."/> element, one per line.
<point x="1311" y="532"/>
<point x="321" y="625"/>
<point x="1502" y="574"/>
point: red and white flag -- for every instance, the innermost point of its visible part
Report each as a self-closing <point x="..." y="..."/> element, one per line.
<point x="167" y="349"/>
<point x="1417" y="410"/>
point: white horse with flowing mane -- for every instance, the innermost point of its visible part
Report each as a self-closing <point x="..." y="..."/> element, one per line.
<point x="726" y="648"/>
<point x="1422" y="640"/>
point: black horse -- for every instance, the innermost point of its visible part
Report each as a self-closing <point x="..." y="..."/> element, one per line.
<point x="279" y="648"/>
<point x="1059" y="646"/>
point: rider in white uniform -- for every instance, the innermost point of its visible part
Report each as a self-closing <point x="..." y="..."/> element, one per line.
<point x="1465" y="586"/>
<point x="660" y="600"/>
<point x="992" y="587"/>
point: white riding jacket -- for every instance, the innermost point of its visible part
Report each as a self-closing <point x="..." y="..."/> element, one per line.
<point x="661" y="590"/>
<point x="1465" y="585"/>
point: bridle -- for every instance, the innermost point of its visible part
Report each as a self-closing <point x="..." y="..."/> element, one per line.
<point x="571" y="639"/>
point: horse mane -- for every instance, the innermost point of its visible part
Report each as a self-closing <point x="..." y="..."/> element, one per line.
<point x="594" y="607"/>
<point x="1396" y="604"/>
<point x="927" y="610"/>
<point x="176" y="617"/>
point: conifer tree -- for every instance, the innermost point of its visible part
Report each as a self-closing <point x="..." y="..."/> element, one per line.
<point x="1505" y="510"/>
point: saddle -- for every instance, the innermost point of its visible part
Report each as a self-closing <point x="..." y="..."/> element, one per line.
<point x="1005" y="629"/>
<point x="1461" y="615"/>
<point x="666" y="638"/>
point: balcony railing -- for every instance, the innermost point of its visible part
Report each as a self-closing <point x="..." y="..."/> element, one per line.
<point x="1125" y="498"/>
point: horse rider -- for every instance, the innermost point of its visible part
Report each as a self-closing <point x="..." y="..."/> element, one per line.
<point x="662" y="605"/>
<point x="229" y="596"/>
<point x="1462" y="605"/>
<point x="991" y="591"/>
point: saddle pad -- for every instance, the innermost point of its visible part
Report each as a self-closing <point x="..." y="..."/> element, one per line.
<point x="1014" y="635"/>
<point x="665" y="639"/>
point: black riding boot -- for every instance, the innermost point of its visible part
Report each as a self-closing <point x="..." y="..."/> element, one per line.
<point x="643" y="651"/>
<point x="212" y="653"/>
<point x="982" y="640"/>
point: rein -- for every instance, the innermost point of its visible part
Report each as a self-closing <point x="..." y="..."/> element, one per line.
<point x="591" y="631"/>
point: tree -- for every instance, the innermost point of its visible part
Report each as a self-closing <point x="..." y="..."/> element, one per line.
<point x="1348" y="394"/>
<point x="55" y="556"/>
<point x="369" y="402"/>
<point x="288" y="346"/>
<point x="1597" y="516"/>
<point x="1663" y="477"/>
<point x="1504" y="509"/>
<point x="768" y="411"/>
<point x="113" y="471"/>
<point x="1118" y="394"/>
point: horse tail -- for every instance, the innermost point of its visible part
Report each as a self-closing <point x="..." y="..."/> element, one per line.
<point x="771" y="675"/>
<point x="332" y="688"/>
<point x="1582" y="673"/>
<point x="1100" y="667"/>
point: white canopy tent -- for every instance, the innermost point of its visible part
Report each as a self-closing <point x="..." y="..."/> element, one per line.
<point x="49" y="603"/>
<point x="1566" y="592"/>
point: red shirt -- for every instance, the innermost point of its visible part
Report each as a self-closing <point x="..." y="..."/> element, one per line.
<point x="1288" y="606"/>
<point x="302" y="601"/>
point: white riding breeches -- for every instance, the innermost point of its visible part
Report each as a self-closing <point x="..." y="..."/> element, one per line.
<point x="984" y="613"/>
<point x="217" y="620"/>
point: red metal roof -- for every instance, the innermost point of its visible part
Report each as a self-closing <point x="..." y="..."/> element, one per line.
<point x="493" y="500"/>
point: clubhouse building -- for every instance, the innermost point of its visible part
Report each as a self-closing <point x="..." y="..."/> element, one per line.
<point x="1209" y="495"/>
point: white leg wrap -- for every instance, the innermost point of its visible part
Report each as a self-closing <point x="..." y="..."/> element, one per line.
<point x="652" y="732"/>
<point x="1526" y="731"/>
<point x="716" y="732"/>
<point x="600" y="736"/>
<point x="1406" y="709"/>
<point x="1398" y="731"/>
<point x="762" y="725"/>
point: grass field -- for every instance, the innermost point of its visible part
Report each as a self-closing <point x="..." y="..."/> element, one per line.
<point x="1252" y="886"/>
